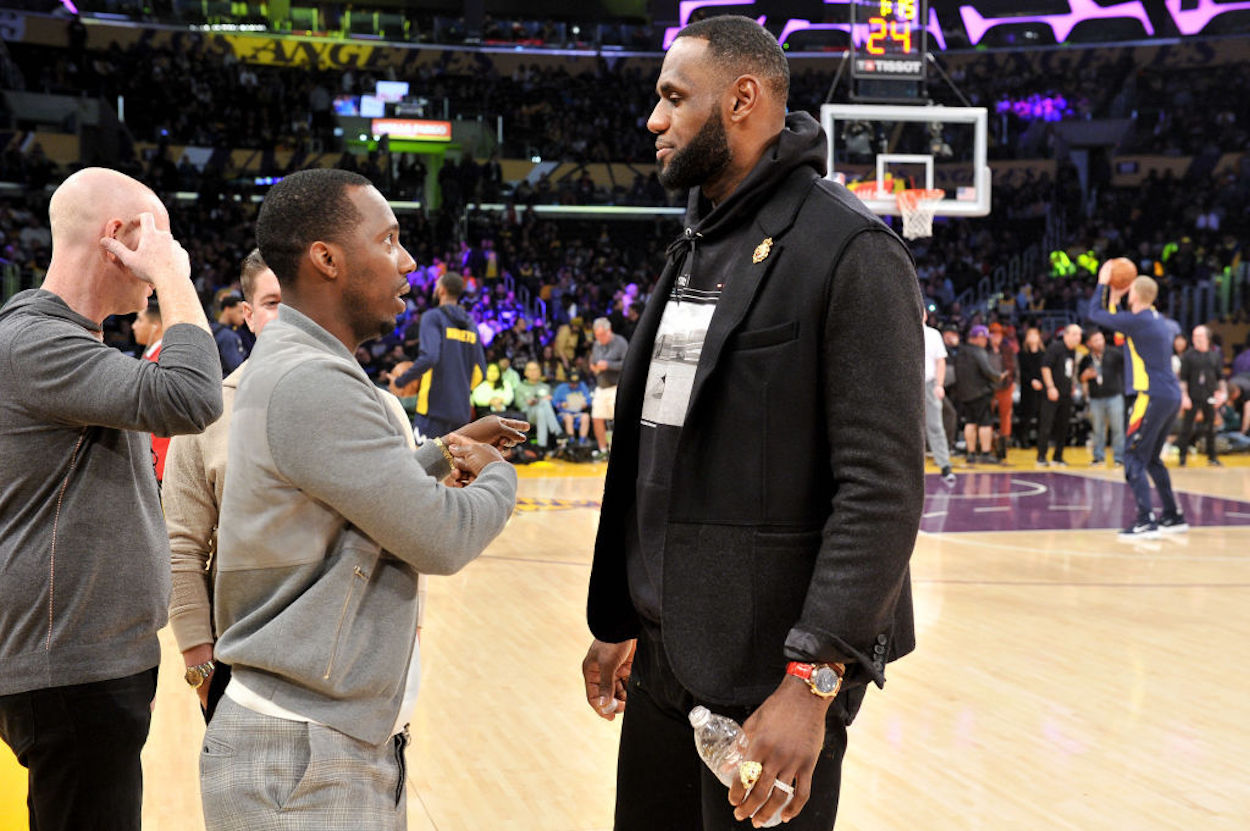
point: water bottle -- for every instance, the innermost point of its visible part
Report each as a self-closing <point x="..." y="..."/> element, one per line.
<point x="722" y="746"/>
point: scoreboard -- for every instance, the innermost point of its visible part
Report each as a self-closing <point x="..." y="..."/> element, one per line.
<point x="892" y="37"/>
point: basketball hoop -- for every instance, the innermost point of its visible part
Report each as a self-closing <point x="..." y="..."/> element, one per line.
<point x="917" y="206"/>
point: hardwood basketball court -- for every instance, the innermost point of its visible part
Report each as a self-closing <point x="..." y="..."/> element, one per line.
<point x="1063" y="679"/>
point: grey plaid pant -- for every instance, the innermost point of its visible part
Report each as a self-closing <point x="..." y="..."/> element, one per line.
<point x="259" y="773"/>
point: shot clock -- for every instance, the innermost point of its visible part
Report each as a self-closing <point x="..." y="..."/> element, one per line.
<point x="891" y="38"/>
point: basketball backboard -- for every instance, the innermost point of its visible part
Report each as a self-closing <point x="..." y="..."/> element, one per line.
<point x="879" y="149"/>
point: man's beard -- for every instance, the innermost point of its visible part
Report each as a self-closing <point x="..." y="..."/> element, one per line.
<point x="364" y="325"/>
<point x="700" y="161"/>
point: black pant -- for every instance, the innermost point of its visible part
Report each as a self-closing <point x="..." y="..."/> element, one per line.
<point x="663" y="785"/>
<point x="216" y="689"/>
<point x="950" y="418"/>
<point x="1208" y="426"/>
<point x="1149" y="420"/>
<point x="1030" y="400"/>
<point x="80" y="745"/>
<point x="1052" y="427"/>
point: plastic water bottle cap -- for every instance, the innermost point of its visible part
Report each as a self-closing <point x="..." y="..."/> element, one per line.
<point x="699" y="716"/>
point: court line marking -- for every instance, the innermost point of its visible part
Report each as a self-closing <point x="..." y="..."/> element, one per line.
<point x="1040" y="489"/>
<point x="1133" y="551"/>
<point x="1112" y="477"/>
<point x="991" y="508"/>
<point x="508" y="559"/>
<point x="958" y="581"/>
<point x="1067" y="585"/>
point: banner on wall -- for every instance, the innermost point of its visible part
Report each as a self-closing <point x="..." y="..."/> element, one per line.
<point x="412" y="129"/>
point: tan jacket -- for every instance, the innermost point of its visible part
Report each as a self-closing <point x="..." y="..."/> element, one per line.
<point x="195" y="473"/>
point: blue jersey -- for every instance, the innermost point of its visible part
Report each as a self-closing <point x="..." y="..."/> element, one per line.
<point x="450" y="364"/>
<point x="1149" y="335"/>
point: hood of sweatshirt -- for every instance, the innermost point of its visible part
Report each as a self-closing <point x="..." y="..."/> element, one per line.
<point x="800" y="144"/>
<point x="45" y="303"/>
<point x="458" y="315"/>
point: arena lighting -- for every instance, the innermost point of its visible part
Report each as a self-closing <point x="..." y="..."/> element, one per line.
<point x="1061" y="24"/>
<point x="1190" y="17"/>
<point x="623" y="211"/>
<point x="68" y="4"/>
<point x="1193" y="21"/>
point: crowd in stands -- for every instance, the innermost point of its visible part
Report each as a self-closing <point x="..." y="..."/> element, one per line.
<point x="536" y="284"/>
<point x="557" y="114"/>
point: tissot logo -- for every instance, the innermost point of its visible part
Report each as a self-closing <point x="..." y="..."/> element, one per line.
<point x="887" y="67"/>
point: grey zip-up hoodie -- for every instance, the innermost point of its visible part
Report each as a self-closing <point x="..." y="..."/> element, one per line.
<point x="327" y="517"/>
<point x="84" y="556"/>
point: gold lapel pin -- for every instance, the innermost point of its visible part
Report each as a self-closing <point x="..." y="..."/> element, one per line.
<point x="762" y="250"/>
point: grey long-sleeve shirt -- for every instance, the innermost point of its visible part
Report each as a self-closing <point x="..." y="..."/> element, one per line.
<point x="84" y="557"/>
<point x="327" y="517"/>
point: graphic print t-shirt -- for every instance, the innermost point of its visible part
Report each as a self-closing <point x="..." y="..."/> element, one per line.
<point x="674" y="360"/>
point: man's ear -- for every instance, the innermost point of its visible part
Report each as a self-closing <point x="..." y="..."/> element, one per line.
<point x="747" y="96"/>
<point x="112" y="229"/>
<point x="327" y="259"/>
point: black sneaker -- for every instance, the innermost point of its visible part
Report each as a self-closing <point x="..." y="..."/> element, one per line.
<point x="1141" y="530"/>
<point x="1174" y="524"/>
<point x="948" y="475"/>
<point x="1058" y="463"/>
<point x="1214" y="463"/>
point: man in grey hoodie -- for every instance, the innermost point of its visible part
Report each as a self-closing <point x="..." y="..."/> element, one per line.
<point x="327" y="518"/>
<point x="83" y="549"/>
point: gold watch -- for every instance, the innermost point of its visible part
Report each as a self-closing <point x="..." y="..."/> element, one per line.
<point x="198" y="674"/>
<point x="824" y="680"/>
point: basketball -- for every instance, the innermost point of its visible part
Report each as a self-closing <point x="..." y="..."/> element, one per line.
<point x="1123" y="273"/>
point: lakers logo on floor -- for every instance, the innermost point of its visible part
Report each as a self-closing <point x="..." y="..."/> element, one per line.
<point x="531" y="504"/>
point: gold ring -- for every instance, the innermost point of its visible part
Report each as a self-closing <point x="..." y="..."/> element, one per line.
<point x="749" y="772"/>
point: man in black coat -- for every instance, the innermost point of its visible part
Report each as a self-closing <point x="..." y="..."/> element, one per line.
<point x="766" y="474"/>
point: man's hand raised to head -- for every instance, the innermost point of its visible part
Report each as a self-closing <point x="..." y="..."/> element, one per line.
<point x="157" y="257"/>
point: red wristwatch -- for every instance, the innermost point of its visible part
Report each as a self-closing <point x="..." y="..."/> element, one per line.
<point x="824" y="679"/>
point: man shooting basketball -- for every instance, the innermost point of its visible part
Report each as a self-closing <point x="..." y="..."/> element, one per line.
<point x="1148" y="372"/>
<point x="756" y="528"/>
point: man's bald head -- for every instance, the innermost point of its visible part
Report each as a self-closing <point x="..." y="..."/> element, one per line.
<point x="92" y="205"/>
<point x="96" y="202"/>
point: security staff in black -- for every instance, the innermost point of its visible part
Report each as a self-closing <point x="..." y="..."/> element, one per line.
<point x="1201" y="377"/>
<point x="766" y="474"/>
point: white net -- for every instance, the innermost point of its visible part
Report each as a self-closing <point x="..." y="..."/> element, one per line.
<point x="917" y="208"/>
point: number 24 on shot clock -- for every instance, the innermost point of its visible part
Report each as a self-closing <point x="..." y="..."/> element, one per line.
<point x="894" y="39"/>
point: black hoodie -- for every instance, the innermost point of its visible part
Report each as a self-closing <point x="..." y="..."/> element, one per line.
<point x="84" y="555"/>
<point x="703" y="255"/>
